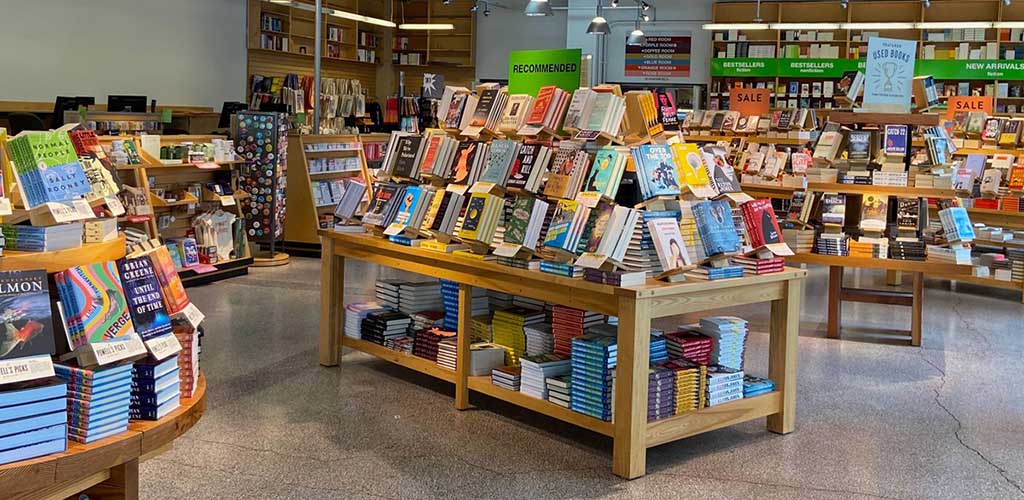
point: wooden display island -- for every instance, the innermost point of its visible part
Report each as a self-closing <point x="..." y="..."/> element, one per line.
<point x="104" y="470"/>
<point x="635" y="308"/>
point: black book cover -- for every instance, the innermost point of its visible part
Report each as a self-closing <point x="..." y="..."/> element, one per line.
<point x="145" y="300"/>
<point x="26" y="314"/>
<point x="408" y="150"/>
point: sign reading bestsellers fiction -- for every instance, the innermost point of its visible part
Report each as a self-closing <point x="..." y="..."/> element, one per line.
<point x="529" y="70"/>
<point x="889" y="75"/>
<point x="660" y="57"/>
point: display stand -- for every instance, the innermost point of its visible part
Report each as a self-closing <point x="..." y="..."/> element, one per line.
<point x="634" y="306"/>
<point x="264" y="168"/>
<point x="107" y="469"/>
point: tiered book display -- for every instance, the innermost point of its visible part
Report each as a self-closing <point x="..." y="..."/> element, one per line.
<point x="502" y="200"/>
<point x="99" y="364"/>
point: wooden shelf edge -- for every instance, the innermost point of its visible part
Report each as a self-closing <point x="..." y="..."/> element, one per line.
<point x="422" y="365"/>
<point x="909" y="191"/>
<point x="929" y="268"/>
<point x="59" y="260"/>
<point x="711" y="418"/>
<point x="483" y="385"/>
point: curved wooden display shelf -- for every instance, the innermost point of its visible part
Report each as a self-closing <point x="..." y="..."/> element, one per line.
<point x="88" y="253"/>
<point x="106" y="469"/>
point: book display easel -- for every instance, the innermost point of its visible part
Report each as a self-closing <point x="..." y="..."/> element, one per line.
<point x="102" y="371"/>
<point x="319" y="166"/>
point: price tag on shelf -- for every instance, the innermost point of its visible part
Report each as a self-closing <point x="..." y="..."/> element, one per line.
<point x="27" y="368"/>
<point x="193" y="315"/>
<point x="163" y="346"/>
<point x="114" y="204"/>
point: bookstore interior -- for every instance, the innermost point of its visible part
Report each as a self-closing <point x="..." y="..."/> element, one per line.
<point x="407" y="204"/>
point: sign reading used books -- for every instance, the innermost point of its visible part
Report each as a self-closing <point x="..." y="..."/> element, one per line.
<point x="968" y="104"/>
<point x="659" y="57"/>
<point x="529" y="70"/>
<point x="889" y="75"/>
<point x="749" y="101"/>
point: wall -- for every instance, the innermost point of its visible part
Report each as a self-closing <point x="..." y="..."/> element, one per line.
<point x="182" y="52"/>
<point x="508" y="29"/>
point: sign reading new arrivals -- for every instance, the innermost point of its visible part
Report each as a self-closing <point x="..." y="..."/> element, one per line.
<point x="529" y="70"/>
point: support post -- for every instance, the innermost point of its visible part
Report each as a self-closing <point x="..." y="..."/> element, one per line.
<point x="629" y="456"/>
<point x="782" y="355"/>
<point x="915" y="310"/>
<point x="462" y="354"/>
<point x="332" y="301"/>
<point x="122" y="485"/>
<point x="835" y="300"/>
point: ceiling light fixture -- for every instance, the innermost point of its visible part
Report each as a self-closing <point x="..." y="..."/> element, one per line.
<point x="734" y="26"/>
<point x="538" y="8"/>
<point x="359" y="17"/>
<point x="844" y="3"/>
<point x="425" y="26"/>
<point x="487" y="10"/>
<point x="804" y="26"/>
<point x="598" y="25"/>
<point x="954" y="25"/>
<point x="615" y="3"/>
<point x="636" y="37"/>
<point x="1007" y="2"/>
<point x="644" y="6"/>
<point x="877" y="26"/>
<point x="646" y="18"/>
<point x="926" y="3"/>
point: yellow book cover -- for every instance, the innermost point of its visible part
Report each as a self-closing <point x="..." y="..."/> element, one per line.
<point x="474" y="217"/>
<point x="690" y="164"/>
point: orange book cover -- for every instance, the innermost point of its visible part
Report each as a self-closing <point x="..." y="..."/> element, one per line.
<point x="540" y="108"/>
<point x="174" y="292"/>
<point x="428" y="159"/>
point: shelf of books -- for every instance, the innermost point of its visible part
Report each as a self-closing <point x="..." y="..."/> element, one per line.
<point x="815" y="65"/>
<point x="544" y="258"/>
<point x="92" y="314"/>
<point x="328" y="172"/>
<point x="186" y="195"/>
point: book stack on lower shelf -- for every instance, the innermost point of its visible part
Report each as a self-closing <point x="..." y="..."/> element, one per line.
<point x="98" y="401"/>
<point x="156" y="389"/>
<point x="35" y="418"/>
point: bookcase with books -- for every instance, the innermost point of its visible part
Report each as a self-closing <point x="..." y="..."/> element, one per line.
<point x="89" y="316"/>
<point x="326" y="171"/>
<point x="443" y="52"/>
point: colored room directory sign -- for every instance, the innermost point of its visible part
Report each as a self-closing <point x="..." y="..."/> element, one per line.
<point x="659" y="57"/>
<point x="529" y="70"/>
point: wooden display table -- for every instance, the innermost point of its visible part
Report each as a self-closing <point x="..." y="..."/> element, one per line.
<point x="104" y="470"/>
<point x="837" y="293"/>
<point x="59" y="260"/>
<point x="635" y="308"/>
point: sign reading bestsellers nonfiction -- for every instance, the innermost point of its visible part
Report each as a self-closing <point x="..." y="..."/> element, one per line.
<point x="660" y="57"/>
<point x="529" y="70"/>
<point x="889" y="74"/>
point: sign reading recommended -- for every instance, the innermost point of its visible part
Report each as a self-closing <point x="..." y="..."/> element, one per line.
<point x="749" y="101"/>
<point x="889" y="74"/>
<point x="961" y="103"/>
<point x="660" y="57"/>
<point x="529" y="70"/>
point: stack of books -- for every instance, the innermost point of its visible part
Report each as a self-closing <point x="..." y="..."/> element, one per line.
<point x="378" y="327"/>
<point x="508" y="330"/>
<point x="532" y="264"/>
<point x="800" y="240"/>
<point x="42" y="238"/>
<point x="403" y="344"/>
<point x="730" y="336"/>
<point x="561" y="269"/>
<point x="568" y="324"/>
<point x="756" y="266"/>
<point x="690" y="385"/>
<point x="711" y="273"/>
<point x="756" y="386"/>
<point x="641" y="256"/>
<point x="615" y="278"/>
<point x="446" y="353"/>
<point x="559" y="390"/>
<point x="661" y="393"/>
<point x="481" y="328"/>
<point x="156" y="389"/>
<point x="904" y="249"/>
<point x="537" y="369"/>
<point x="833" y="244"/>
<point x="594" y="357"/>
<point x="659" y="347"/>
<point x="539" y="339"/>
<point x="1016" y="258"/>
<point x="869" y="248"/>
<point x="450" y="302"/>
<point x="499" y="300"/>
<point x="35" y="417"/>
<point x="188" y="358"/>
<point x="507" y="377"/>
<point x="485" y="357"/>
<point x="422" y="296"/>
<point x="98" y="401"/>
<point x="689" y="345"/>
<point x="355" y="313"/>
<point x="724" y="384"/>
<point x="955" y="255"/>
<point x="427" y="342"/>
<point x="387" y="292"/>
<point x="691" y="235"/>
<point x="424" y="320"/>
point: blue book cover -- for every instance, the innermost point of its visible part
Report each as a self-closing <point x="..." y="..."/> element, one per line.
<point x="54" y="389"/>
<point x="411" y="198"/>
<point x="32" y="409"/>
<point x="35" y="436"/>
<point x="154" y="399"/>
<point x="32" y="423"/>
<point x="895" y="140"/>
<point x="33" y="451"/>
<point x="155" y="413"/>
<point x="716" y="227"/>
<point x="499" y="158"/>
<point x="155" y="370"/>
<point x="102" y="387"/>
<point x="74" y="374"/>
<point x="560" y="227"/>
<point x="98" y="420"/>
<point x="962" y="222"/>
<point x="602" y="173"/>
<point x="145" y="297"/>
<point x="99" y="426"/>
<point x="169" y="380"/>
<point x="87" y="399"/>
<point x="93" y="436"/>
<point x="656" y="170"/>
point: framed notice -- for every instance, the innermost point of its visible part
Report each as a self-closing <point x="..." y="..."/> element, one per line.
<point x="661" y="57"/>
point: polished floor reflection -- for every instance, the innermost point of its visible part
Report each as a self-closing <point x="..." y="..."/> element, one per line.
<point x="876" y="418"/>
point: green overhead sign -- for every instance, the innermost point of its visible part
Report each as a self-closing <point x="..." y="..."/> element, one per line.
<point x="941" y="69"/>
<point x="744" y="67"/>
<point x="529" y="70"/>
<point x="817" y="68"/>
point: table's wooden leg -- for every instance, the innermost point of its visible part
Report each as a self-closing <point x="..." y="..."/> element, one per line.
<point x="462" y="355"/>
<point x="915" y="310"/>
<point x="782" y="354"/>
<point x="122" y="485"/>
<point x="835" y="300"/>
<point x="629" y="457"/>
<point x="332" y="302"/>
<point x="893" y="278"/>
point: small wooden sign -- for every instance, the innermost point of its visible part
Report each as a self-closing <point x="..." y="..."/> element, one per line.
<point x="749" y="101"/>
<point x="968" y="103"/>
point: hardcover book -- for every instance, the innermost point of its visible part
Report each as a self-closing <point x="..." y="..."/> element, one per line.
<point x="384" y="204"/>
<point x="759" y="219"/>
<point x="656" y="171"/>
<point x="408" y="156"/>
<point x="25" y="312"/>
<point x="499" y="159"/>
<point x="145" y="299"/>
<point x="518" y="220"/>
<point x="874" y="210"/>
<point x="716" y="228"/>
<point x="175" y="298"/>
<point x="541" y="105"/>
<point x="464" y="158"/>
<point x="523" y="165"/>
<point x="604" y="175"/>
<point x="561" y="224"/>
<point x="47" y="167"/>
<point x="94" y="303"/>
<point x="895" y="140"/>
<point x="669" y="244"/>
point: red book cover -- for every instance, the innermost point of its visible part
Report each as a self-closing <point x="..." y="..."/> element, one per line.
<point x="540" y="107"/>
<point x="988" y="203"/>
<point x="762" y="226"/>
<point x="428" y="159"/>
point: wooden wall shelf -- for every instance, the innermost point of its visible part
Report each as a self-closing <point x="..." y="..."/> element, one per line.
<point x="88" y="253"/>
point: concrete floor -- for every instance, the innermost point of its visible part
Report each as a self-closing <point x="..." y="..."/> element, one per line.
<point x="875" y="419"/>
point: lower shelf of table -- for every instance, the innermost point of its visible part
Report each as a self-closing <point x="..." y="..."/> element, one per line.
<point x="658" y="432"/>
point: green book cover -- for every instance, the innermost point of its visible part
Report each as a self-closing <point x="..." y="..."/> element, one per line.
<point x="518" y="220"/>
<point x="601" y="103"/>
<point x="601" y="172"/>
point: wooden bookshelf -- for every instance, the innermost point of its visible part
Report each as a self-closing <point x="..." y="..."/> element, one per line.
<point x="905" y="191"/>
<point x="635" y="308"/>
<point x="59" y="260"/>
<point x="448" y="53"/>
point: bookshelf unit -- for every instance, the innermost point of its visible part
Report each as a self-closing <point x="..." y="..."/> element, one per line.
<point x="447" y="52"/>
<point x="780" y="71"/>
